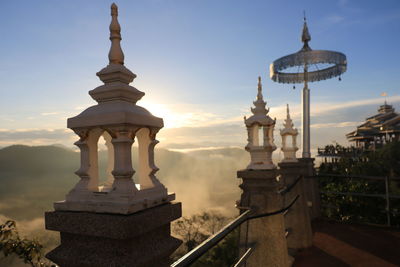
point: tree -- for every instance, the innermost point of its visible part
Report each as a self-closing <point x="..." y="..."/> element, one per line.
<point x="384" y="162"/>
<point x="30" y="251"/>
<point x="197" y="228"/>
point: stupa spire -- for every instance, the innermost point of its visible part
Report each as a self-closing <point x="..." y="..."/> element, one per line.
<point x="115" y="56"/>
<point x="288" y="122"/>
<point x="259" y="94"/>
<point x="259" y="103"/>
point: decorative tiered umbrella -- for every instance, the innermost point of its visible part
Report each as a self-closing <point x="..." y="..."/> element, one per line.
<point x="305" y="66"/>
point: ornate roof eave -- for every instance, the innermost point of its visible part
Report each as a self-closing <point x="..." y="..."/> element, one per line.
<point x="260" y="120"/>
<point x="381" y="116"/>
<point x="289" y="131"/>
<point x="394" y="120"/>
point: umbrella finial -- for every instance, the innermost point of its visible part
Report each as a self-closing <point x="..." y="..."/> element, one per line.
<point x="305" y="36"/>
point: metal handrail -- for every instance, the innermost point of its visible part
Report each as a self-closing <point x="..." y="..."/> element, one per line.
<point x="354" y="176"/>
<point x="243" y="259"/>
<point x="359" y="194"/>
<point x="213" y="240"/>
<point x="387" y="196"/>
<point x="288" y="188"/>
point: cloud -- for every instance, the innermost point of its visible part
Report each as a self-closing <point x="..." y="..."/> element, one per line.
<point x="336" y="124"/>
<point x="49" y="113"/>
<point x="4" y="118"/>
<point x="193" y="127"/>
<point x="322" y="108"/>
<point x="334" y="19"/>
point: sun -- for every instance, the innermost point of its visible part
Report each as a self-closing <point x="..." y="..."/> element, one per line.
<point x="172" y="118"/>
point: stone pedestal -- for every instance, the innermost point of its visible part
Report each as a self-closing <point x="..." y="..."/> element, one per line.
<point x="311" y="187"/>
<point x="88" y="239"/>
<point x="267" y="234"/>
<point x="297" y="219"/>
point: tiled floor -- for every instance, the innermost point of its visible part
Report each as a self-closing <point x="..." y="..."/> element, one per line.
<point x="337" y="244"/>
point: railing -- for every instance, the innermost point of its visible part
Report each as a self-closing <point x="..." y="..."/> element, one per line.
<point x="387" y="195"/>
<point x="213" y="240"/>
<point x="338" y="151"/>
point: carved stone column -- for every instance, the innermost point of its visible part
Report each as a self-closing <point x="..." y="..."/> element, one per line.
<point x="122" y="140"/>
<point x="82" y="187"/>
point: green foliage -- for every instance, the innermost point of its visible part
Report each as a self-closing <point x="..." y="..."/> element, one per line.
<point x="30" y="251"/>
<point x="225" y="254"/>
<point x="197" y="228"/>
<point x="384" y="162"/>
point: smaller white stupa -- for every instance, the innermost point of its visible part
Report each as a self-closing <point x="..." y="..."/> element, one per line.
<point x="260" y="131"/>
<point x="289" y="136"/>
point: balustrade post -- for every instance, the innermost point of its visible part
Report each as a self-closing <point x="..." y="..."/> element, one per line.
<point x="312" y="190"/>
<point x="297" y="219"/>
<point x="117" y="225"/>
<point x="260" y="193"/>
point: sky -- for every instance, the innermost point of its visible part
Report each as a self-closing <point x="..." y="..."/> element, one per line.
<point x="198" y="63"/>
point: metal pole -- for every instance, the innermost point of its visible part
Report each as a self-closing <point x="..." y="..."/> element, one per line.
<point x="243" y="259"/>
<point x="306" y="116"/>
<point x="387" y="200"/>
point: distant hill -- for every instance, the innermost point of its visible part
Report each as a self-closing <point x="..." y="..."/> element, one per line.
<point x="33" y="177"/>
<point x="37" y="159"/>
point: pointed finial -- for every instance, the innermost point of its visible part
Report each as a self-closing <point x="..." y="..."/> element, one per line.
<point x="259" y="94"/>
<point x="115" y="55"/>
<point x="287" y="111"/>
<point x="305" y="36"/>
<point x="288" y="124"/>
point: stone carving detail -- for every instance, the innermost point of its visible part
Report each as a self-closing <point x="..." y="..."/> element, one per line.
<point x="260" y="131"/>
<point x="120" y="121"/>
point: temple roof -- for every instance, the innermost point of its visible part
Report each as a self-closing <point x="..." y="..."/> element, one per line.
<point x="386" y="121"/>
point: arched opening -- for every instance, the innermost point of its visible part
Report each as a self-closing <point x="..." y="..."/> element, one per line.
<point x="289" y="141"/>
<point x="101" y="160"/>
<point x="260" y="135"/>
<point x="105" y="152"/>
<point x="143" y="168"/>
<point x="135" y="162"/>
<point x="255" y="133"/>
<point x="284" y="141"/>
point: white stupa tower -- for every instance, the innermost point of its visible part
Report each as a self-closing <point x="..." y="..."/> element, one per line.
<point x="260" y="130"/>
<point x="289" y="137"/>
<point x="120" y="121"/>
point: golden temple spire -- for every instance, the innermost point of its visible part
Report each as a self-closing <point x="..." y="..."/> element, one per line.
<point x="115" y="56"/>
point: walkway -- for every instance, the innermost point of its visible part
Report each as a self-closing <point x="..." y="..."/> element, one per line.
<point x="338" y="244"/>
